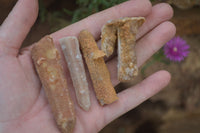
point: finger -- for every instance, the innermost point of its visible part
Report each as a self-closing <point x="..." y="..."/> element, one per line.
<point x="146" y="46"/>
<point x="154" y="40"/>
<point x="132" y="97"/>
<point x="160" y="13"/>
<point x="18" y="23"/>
<point x="94" y="22"/>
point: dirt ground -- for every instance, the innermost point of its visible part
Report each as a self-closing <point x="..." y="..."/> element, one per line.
<point x="176" y="109"/>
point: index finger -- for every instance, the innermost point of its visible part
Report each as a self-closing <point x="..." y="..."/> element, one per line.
<point x="94" y="22"/>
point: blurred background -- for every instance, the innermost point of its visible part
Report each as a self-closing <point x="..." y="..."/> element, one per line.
<point x="176" y="109"/>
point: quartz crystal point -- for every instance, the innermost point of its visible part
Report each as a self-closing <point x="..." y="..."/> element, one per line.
<point x="127" y="60"/>
<point x="46" y="59"/>
<point x="98" y="70"/>
<point x="108" y="38"/>
<point x="70" y="48"/>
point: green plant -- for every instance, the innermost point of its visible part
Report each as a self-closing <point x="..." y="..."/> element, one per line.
<point x="55" y="19"/>
<point x="157" y="57"/>
<point x="42" y="11"/>
<point x="88" y="7"/>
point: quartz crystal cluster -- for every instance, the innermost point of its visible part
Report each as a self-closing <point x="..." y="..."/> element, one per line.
<point x="122" y="32"/>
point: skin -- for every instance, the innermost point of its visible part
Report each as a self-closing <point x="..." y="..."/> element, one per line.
<point x="23" y="105"/>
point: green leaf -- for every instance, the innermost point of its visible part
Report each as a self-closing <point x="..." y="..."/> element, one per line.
<point x="68" y="12"/>
<point x="42" y="11"/>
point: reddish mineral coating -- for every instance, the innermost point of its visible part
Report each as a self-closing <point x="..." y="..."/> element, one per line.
<point x="127" y="60"/>
<point x="108" y="39"/>
<point x="99" y="73"/>
<point x="47" y="62"/>
<point x="70" y="48"/>
<point x="124" y="30"/>
<point x="109" y="34"/>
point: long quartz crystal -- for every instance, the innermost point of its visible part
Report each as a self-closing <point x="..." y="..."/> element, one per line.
<point x="46" y="59"/>
<point x="99" y="73"/>
<point x="127" y="60"/>
<point x="70" y="48"/>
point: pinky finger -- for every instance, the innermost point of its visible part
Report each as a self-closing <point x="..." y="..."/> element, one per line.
<point x="132" y="97"/>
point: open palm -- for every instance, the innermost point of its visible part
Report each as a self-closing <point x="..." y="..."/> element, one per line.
<point x="23" y="105"/>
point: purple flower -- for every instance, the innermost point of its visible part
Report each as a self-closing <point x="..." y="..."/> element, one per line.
<point x="176" y="49"/>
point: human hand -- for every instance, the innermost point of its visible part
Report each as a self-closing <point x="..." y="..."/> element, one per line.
<point x="23" y="105"/>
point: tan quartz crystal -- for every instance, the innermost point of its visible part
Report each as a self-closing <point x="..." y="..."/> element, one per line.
<point x="99" y="73"/>
<point x="122" y="32"/>
<point x="47" y="62"/>
<point x="109" y="34"/>
<point x="108" y="38"/>
<point x="70" y="48"/>
<point x="127" y="60"/>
